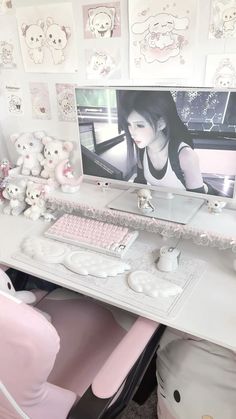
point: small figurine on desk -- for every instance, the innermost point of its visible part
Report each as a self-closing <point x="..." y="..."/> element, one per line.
<point x="144" y="200"/>
<point x="104" y="186"/>
<point x="5" y="167"/>
<point x="64" y="175"/>
<point x="215" y="207"/>
<point x="169" y="259"/>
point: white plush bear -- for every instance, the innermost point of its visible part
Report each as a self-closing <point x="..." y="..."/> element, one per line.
<point x="54" y="152"/>
<point x="29" y="146"/>
<point x="15" y="193"/>
<point x="35" y="198"/>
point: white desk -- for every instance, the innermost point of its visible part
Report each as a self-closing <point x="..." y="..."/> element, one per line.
<point x="209" y="311"/>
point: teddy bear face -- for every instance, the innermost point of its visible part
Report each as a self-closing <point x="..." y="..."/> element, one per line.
<point x="33" y="193"/>
<point x="14" y="191"/>
<point x="54" y="151"/>
<point x="56" y="36"/>
<point x="34" y="36"/>
<point x="27" y="144"/>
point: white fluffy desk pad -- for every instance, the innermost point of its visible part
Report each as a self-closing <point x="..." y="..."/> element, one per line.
<point x="114" y="283"/>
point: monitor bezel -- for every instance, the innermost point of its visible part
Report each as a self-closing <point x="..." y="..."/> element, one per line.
<point x="122" y="184"/>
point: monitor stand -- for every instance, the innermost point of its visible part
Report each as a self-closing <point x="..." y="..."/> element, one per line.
<point x="169" y="207"/>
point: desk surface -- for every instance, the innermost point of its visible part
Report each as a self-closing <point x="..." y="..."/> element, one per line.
<point x="209" y="312"/>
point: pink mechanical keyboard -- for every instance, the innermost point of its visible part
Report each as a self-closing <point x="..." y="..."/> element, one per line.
<point x="92" y="234"/>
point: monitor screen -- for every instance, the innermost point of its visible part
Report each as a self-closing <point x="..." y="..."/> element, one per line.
<point x="179" y="140"/>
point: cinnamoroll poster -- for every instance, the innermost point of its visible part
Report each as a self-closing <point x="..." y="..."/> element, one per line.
<point x="161" y="38"/>
<point x="47" y="38"/>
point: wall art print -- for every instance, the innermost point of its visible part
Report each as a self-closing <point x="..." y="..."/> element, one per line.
<point x="40" y="101"/>
<point x="8" y="42"/>
<point x="5" y="6"/>
<point x="7" y="54"/>
<point x="102" y="21"/>
<point x="103" y="64"/>
<point x="47" y="38"/>
<point x="66" y="107"/>
<point x="14" y="100"/>
<point x="161" y="36"/>
<point x="221" y="71"/>
<point x="223" y="19"/>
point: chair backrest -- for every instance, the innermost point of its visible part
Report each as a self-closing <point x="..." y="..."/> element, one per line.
<point x="28" y="348"/>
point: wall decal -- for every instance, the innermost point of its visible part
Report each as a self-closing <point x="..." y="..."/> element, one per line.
<point x="102" y="21"/>
<point x="223" y="19"/>
<point x="40" y="101"/>
<point x="221" y="71"/>
<point x="66" y="102"/>
<point x="103" y="64"/>
<point x="47" y="38"/>
<point x="161" y="35"/>
<point x="14" y="99"/>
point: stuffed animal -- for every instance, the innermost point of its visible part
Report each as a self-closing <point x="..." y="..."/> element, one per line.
<point x="215" y="207"/>
<point x="29" y="146"/>
<point x="14" y="192"/>
<point x="54" y="152"/>
<point x="35" y="198"/>
<point x="6" y="285"/>
<point x="65" y="177"/>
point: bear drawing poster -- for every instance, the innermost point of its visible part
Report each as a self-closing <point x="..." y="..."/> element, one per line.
<point x="47" y="38"/>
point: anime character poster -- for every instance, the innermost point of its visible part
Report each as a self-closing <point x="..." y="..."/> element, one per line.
<point x="14" y="99"/>
<point x="161" y="39"/>
<point x="47" y="38"/>
<point x="221" y="71"/>
<point x="102" y="21"/>
<point x="66" y="108"/>
<point x="40" y="100"/>
<point x="223" y="19"/>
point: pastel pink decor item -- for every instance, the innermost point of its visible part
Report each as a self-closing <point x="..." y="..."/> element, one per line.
<point x="45" y="367"/>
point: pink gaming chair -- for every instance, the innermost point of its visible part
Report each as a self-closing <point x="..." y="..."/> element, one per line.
<point x="85" y="364"/>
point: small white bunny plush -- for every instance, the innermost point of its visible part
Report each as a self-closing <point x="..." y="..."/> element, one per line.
<point x="29" y="146"/>
<point x="14" y="192"/>
<point x="35" y="198"/>
<point x="54" y="152"/>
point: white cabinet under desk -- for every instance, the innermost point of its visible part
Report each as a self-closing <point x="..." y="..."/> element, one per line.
<point x="208" y="309"/>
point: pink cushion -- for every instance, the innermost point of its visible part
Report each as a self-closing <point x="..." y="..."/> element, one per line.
<point x="89" y="334"/>
<point x="26" y="361"/>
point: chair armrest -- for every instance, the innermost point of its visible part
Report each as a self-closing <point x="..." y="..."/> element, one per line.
<point x="115" y="370"/>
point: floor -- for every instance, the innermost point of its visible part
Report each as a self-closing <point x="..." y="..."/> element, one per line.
<point x="146" y="411"/>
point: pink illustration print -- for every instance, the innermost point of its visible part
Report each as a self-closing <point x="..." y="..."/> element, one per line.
<point x="161" y="41"/>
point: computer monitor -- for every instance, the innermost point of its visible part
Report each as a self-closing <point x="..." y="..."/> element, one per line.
<point x="180" y="141"/>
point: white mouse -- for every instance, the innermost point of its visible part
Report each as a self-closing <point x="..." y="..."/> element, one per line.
<point x="169" y="259"/>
